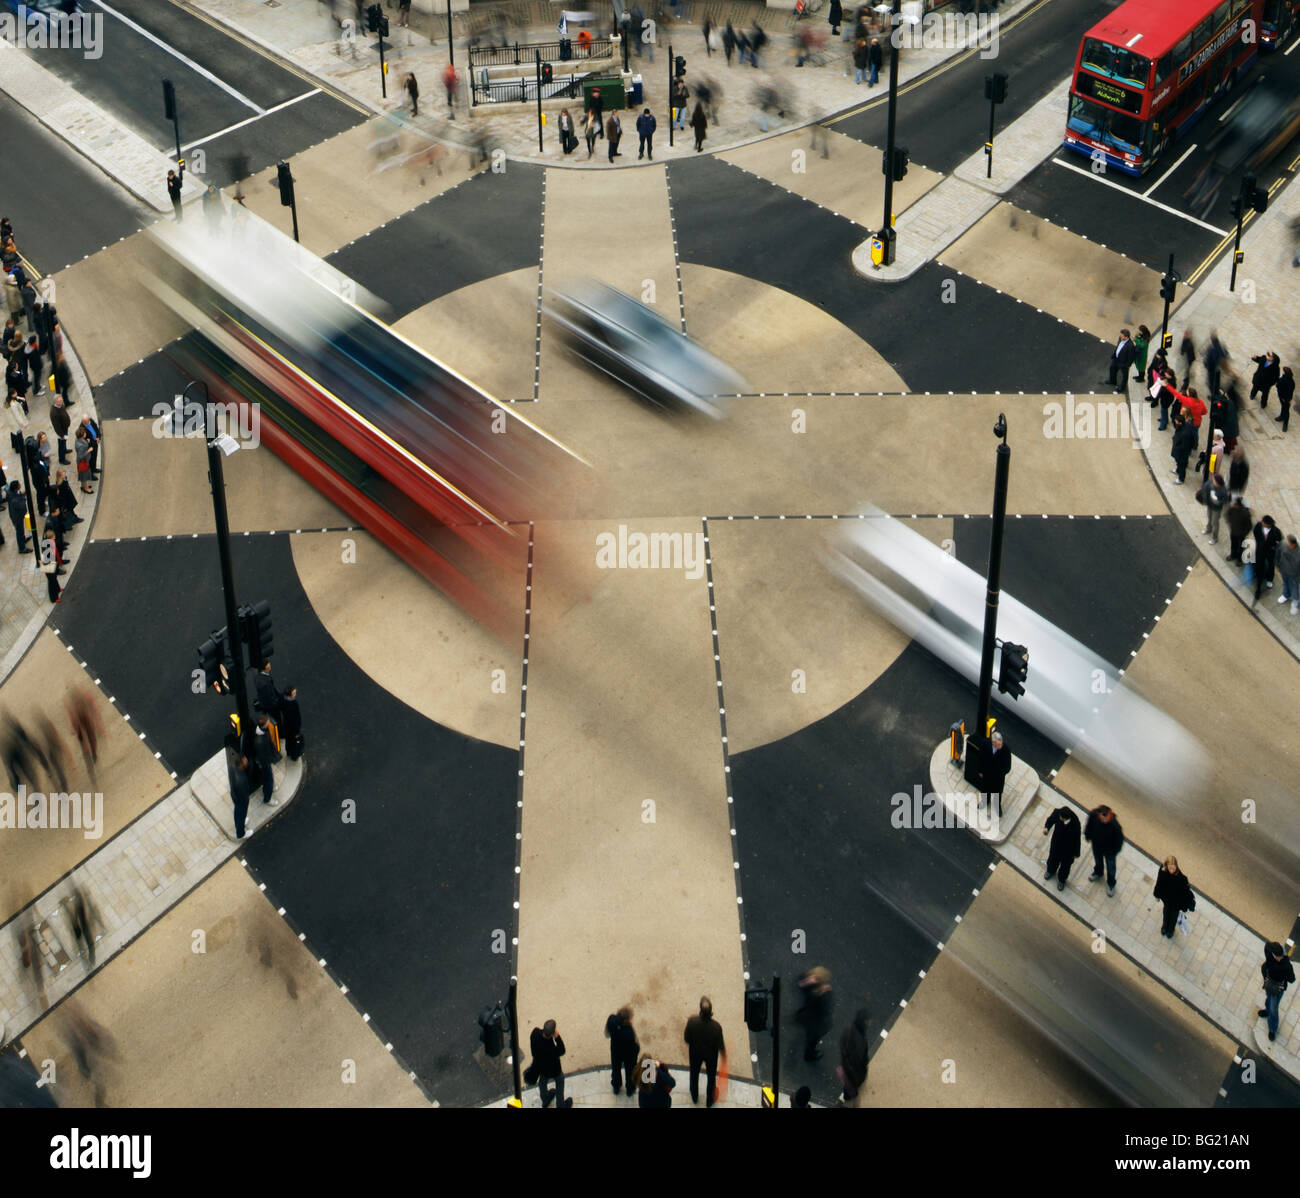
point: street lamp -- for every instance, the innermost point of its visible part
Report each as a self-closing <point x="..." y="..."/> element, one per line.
<point x="978" y="738"/>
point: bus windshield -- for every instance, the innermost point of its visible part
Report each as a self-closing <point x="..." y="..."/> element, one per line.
<point x="1116" y="62"/>
<point x="1118" y="129"/>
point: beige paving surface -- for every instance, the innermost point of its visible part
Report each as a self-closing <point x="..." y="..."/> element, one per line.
<point x="622" y="710"/>
<point x="488" y="331"/>
<point x="425" y="651"/>
<point x="262" y="493"/>
<point x="345" y="188"/>
<point x="983" y="1018"/>
<point x="780" y="610"/>
<point x="778" y="341"/>
<point x="252" y="1022"/>
<point x="114" y="280"/>
<point x="127" y="774"/>
<point x="1028" y="257"/>
<point x="849" y="182"/>
<point x="1248" y="868"/>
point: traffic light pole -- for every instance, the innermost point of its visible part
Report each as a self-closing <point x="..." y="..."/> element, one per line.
<point x="671" y="80"/>
<point x="538" y="55"/>
<point x="975" y="741"/>
<point x="776" y="1041"/>
<point x="1167" y="290"/>
<point x="216" y="476"/>
<point x="512" y="1009"/>
<point x="887" y="228"/>
<point x="451" y="47"/>
<point x="383" y="67"/>
<point x="1236" y="247"/>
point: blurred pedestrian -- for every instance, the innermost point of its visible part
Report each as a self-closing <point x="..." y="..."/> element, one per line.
<point x="614" y="134"/>
<point x="1175" y="892"/>
<point x="1285" y="390"/>
<point x="568" y="139"/>
<point x="56" y="752"/>
<point x="728" y="42"/>
<point x="404" y="14"/>
<point x="1063" y="824"/>
<point x="266" y="753"/>
<point x="1239" y="526"/>
<point x="708" y="34"/>
<point x="860" y="60"/>
<point x="240" y="790"/>
<point x="875" y="60"/>
<point x="757" y="40"/>
<point x="1215" y="494"/>
<point x="291" y="723"/>
<point x="412" y="90"/>
<point x="802" y="1099"/>
<point x="32" y="361"/>
<point x="50" y="565"/>
<point x="590" y="126"/>
<point x="1104" y="833"/>
<point x="700" y="123"/>
<point x="596" y="102"/>
<point x="645" y="128"/>
<point x="1215" y="354"/>
<point x="84" y="919"/>
<point x="87" y="726"/>
<point x="854" y="1057"/>
<point x="835" y="17"/>
<point x="1184" y="443"/>
<point x="451" y="82"/>
<point x="816" y="1015"/>
<point x="705" y="1044"/>
<point x="623" y="1050"/>
<point x="547" y="1047"/>
<point x="1187" y="351"/>
<point x="997" y="765"/>
<point x="23" y="756"/>
<point x="1278" y="974"/>
<point x="655" y="1084"/>
<point x="63" y="379"/>
<point x="1288" y="565"/>
<point x="1238" y="472"/>
<point x="174" y="191"/>
<point x="213" y="210"/>
<point x="680" y="95"/>
<point x="1267" y="370"/>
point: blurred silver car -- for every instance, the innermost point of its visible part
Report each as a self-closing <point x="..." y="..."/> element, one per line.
<point x="634" y="344"/>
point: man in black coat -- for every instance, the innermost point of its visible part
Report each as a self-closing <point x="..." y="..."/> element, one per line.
<point x="836" y="17"/>
<point x="1104" y="833"/>
<point x="1183" y="444"/>
<point x="1278" y="975"/>
<point x="1267" y="369"/>
<point x="645" y="128"/>
<point x="1268" y="540"/>
<point x="1064" y="827"/>
<point x="269" y="698"/>
<point x="1121" y="361"/>
<point x="237" y="773"/>
<point x="623" y="1050"/>
<point x="17" y="502"/>
<point x="704" y="1044"/>
<point x="291" y="723"/>
<point x="997" y="765"/>
<point x="548" y="1047"/>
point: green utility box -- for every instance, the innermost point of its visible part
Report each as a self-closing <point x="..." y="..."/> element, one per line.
<point x="611" y="94"/>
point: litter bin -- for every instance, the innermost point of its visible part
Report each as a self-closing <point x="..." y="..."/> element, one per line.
<point x="636" y="95"/>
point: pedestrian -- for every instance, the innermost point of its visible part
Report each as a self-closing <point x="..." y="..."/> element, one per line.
<point x="1288" y="565"/>
<point x="1266" y="375"/>
<point x="61" y="422"/>
<point x="1184" y="443"/>
<point x="1228" y="423"/>
<point x="567" y="137"/>
<point x="16" y="377"/>
<point x="39" y="475"/>
<point x="1187" y="351"/>
<point x="1285" y="390"/>
<point x="700" y="123"/>
<point x="704" y="1045"/>
<point x="451" y="82"/>
<point x="1156" y="368"/>
<point x="413" y="90"/>
<point x="266" y="753"/>
<point x="708" y="34"/>
<point x="875" y="60"/>
<point x="681" y="94"/>
<point x="95" y="436"/>
<point x="1121" y="359"/>
<point x="1239" y="526"/>
<point x="269" y="698"/>
<point x="1268" y="539"/>
<point x="854" y="1057"/>
<point x="17" y="503"/>
<point x="66" y="500"/>
<point x="1065" y="847"/>
<point x="655" y="1086"/>
<point x="240" y="789"/>
<point x="743" y="49"/>
<point x="1165" y="396"/>
<point x="62" y="378"/>
<point x="613" y="134"/>
<point x="30" y="301"/>
<point x="597" y="110"/>
<point x="1215" y="353"/>
<point x="404" y="14"/>
<point x="32" y="361"/>
<point x="590" y="124"/>
<point x="836" y="17"/>
<point x="623" y="1050"/>
<point x="1214" y="494"/>
<point x="860" y="60"/>
<point x="1278" y="975"/>
<point x="757" y="40"/>
<point x="50" y="565"/>
<point x="291" y="723"/>
<point x="87" y="726"/>
<point x="174" y="190"/>
<point x="83" y="448"/>
<point x="816" y="1014"/>
<point x="997" y="765"/>
<point x="1216" y="455"/>
<point x="547" y="1047"/>
<point x="728" y="42"/>
<point x="1104" y="833"/>
<point x="645" y="128"/>
<point x="1175" y="892"/>
<point x="1141" y="347"/>
<point x="1238" y="472"/>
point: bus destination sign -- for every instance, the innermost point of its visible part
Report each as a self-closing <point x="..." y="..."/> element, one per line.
<point x="1108" y="93"/>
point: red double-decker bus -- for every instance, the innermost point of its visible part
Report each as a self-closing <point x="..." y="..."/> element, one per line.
<point x="1280" y="18"/>
<point x="1145" y="73"/>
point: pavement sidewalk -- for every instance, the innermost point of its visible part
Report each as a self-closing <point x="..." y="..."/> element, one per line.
<point x="1214" y="968"/>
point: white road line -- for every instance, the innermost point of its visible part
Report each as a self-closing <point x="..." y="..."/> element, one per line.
<point x="1291" y="47"/>
<point x="185" y="149"/>
<point x="189" y="62"/>
<point x="1170" y="171"/>
<point x="1069" y="166"/>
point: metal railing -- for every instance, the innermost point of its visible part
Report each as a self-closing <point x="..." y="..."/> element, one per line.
<point x="523" y="88"/>
<point x="521" y="53"/>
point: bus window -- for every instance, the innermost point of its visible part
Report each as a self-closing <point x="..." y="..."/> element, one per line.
<point x="1201" y="34"/>
<point x="1164" y="68"/>
<point x="1105" y="125"/>
<point x="1183" y="51"/>
<point x="1116" y="62"/>
<point x="1221" y="14"/>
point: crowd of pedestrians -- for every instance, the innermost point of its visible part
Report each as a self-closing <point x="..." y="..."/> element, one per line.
<point x="277" y="733"/>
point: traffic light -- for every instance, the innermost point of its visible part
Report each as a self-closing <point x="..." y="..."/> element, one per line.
<point x="373" y="16"/>
<point x="255" y="627"/>
<point x="169" y="100"/>
<point x="1014" y="669"/>
<point x="1250" y="196"/>
<point x="548" y="72"/>
<point x="285" y="179"/>
<point x="756" y="1010"/>
<point x="492" y="1022"/>
<point x="679" y="67"/>
<point x="383" y="26"/>
<point x="212" y="660"/>
<point x="901" y="159"/>
<point x="1168" y="288"/>
<point x="995" y="87"/>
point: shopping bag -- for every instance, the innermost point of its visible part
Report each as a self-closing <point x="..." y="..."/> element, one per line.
<point x="1184" y="924"/>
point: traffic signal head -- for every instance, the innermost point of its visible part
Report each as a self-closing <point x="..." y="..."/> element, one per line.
<point x="995" y="87"/>
<point x="285" y="178"/>
<point x="1259" y="199"/>
<point x="1168" y="288"/>
<point x="1167" y="341"/>
<point x="212" y="661"/>
<point x="679" y="66"/>
<point x="255" y="626"/>
<point x="756" y="1010"/>
<point x="901" y="159"/>
<point x="548" y="72"/>
<point x="373" y="14"/>
<point x="1014" y="670"/>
